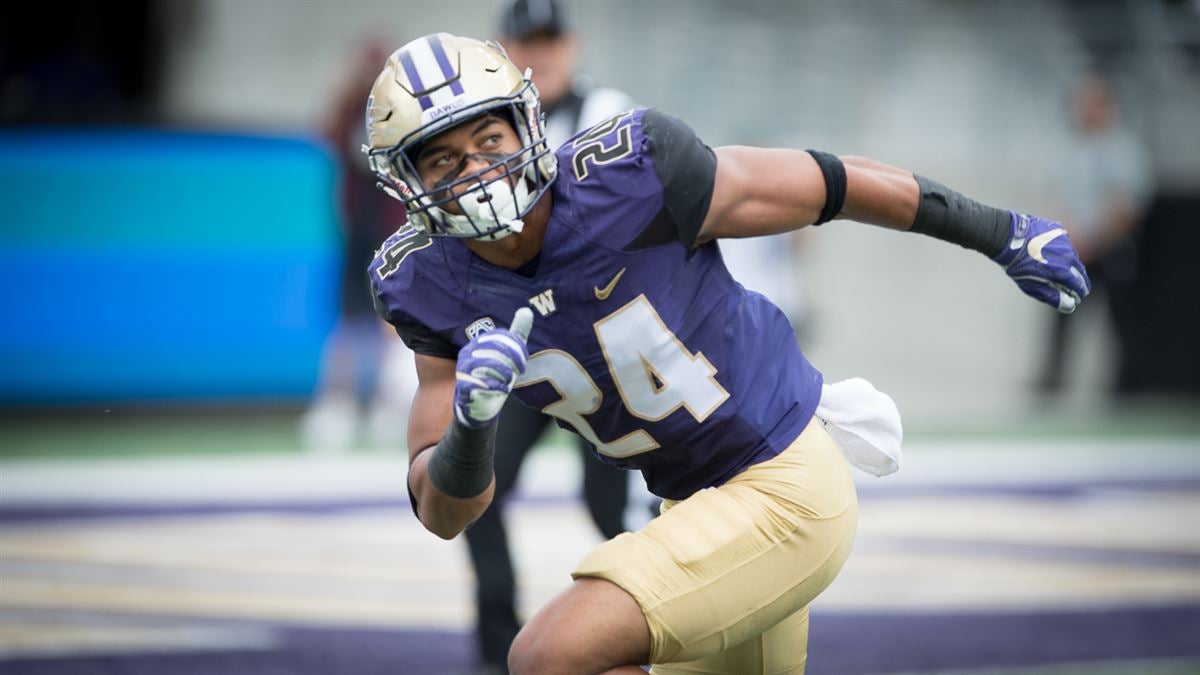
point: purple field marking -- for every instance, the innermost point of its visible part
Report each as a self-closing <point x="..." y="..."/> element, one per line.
<point x="872" y="643"/>
<point x="14" y="513"/>
<point x="839" y="643"/>
<point x="1089" y="554"/>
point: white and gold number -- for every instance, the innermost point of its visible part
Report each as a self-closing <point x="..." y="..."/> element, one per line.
<point x="580" y="396"/>
<point x="654" y="372"/>
<point x="590" y="148"/>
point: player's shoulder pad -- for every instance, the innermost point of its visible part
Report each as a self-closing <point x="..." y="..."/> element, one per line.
<point x="677" y="152"/>
<point x="686" y="168"/>
<point x="408" y="292"/>
<point x="601" y="145"/>
<point x="393" y="272"/>
<point x="637" y="160"/>
<point x="396" y="250"/>
<point x="634" y="132"/>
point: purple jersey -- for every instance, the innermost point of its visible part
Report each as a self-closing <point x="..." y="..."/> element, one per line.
<point x="641" y="343"/>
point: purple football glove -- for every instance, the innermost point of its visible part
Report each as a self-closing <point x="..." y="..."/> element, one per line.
<point x="488" y="367"/>
<point x="1040" y="258"/>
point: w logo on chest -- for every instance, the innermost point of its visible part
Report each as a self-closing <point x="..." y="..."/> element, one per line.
<point x="544" y="302"/>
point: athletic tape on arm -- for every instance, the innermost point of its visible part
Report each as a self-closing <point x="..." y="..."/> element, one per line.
<point x="461" y="464"/>
<point x="947" y="215"/>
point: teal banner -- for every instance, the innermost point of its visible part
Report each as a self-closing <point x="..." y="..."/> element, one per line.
<point x="158" y="266"/>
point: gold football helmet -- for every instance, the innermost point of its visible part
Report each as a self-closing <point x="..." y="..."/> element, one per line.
<point x="437" y="82"/>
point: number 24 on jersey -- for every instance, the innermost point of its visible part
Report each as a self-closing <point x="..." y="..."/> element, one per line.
<point x="653" y="371"/>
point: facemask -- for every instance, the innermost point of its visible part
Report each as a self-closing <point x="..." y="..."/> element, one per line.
<point x="499" y="207"/>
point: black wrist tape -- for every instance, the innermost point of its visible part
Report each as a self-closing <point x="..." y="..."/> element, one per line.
<point x="461" y="464"/>
<point x="953" y="217"/>
<point x="835" y="184"/>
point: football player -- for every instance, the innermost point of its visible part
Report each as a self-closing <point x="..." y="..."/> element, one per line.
<point x="587" y="282"/>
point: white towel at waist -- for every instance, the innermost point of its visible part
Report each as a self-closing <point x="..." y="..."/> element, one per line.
<point x="865" y="424"/>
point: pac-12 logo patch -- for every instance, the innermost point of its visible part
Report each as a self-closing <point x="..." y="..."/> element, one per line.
<point x="480" y="326"/>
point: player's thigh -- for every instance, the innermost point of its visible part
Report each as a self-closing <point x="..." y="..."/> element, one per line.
<point x="781" y="650"/>
<point x="727" y="564"/>
<point x="591" y="627"/>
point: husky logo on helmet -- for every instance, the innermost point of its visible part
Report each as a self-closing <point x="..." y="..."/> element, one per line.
<point x="431" y="85"/>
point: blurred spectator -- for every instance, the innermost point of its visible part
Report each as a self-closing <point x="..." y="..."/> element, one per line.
<point x="535" y="35"/>
<point x="355" y="378"/>
<point x="1105" y="185"/>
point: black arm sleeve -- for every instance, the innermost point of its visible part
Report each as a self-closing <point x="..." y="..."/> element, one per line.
<point x="958" y="219"/>
<point x="687" y="169"/>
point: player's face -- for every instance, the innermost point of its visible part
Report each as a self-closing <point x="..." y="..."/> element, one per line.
<point x="479" y="145"/>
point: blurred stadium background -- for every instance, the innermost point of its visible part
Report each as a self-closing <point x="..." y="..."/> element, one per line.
<point x="170" y="259"/>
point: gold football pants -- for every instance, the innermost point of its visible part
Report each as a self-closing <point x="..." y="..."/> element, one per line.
<point x="724" y="577"/>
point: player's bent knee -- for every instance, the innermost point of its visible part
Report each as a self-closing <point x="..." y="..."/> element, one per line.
<point x="592" y="627"/>
<point x="542" y="652"/>
<point x="530" y="656"/>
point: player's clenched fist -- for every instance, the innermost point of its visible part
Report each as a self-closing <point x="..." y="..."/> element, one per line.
<point x="488" y="367"/>
<point x="1040" y="258"/>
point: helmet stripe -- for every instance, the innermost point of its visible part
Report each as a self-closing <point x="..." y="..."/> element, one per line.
<point x="431" y="71"/>
<point x="410" y="69"/>
<point x="439" y="53"/>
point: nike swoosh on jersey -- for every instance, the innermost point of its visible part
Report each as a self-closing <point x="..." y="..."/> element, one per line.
<point x="1039" y="242"/>
<point x="603" y="293"/>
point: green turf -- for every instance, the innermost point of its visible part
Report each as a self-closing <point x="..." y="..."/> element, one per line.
<point x="151" y="434"/>
<point x="272" y="431"/>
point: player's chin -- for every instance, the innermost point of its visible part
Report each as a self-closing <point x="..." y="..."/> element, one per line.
<point x="451" y="202"/>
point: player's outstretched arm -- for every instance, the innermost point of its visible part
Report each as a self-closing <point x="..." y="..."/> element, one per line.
<point x="452" y="426"/>
<point x="765" y="191"/>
